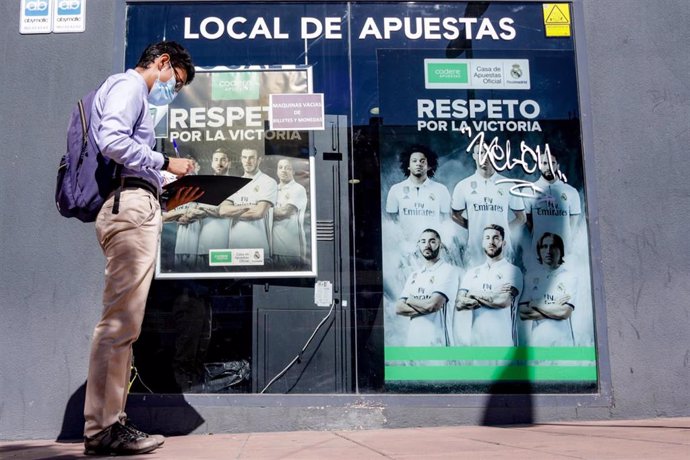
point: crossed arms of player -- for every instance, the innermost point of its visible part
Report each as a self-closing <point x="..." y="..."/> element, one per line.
<point x="469" y="300"/>
<point x="284" y="211"/>
<point x="190" y="213"/>
<point x="559" y="310"/>
<point x="229" y="209"/>
<point x="409" y="306"/>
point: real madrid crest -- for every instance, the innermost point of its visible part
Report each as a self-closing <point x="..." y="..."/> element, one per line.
<point x="516" y="71"/>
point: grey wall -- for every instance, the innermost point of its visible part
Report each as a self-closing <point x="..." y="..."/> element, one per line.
<point x="51" y="267"/>
<point x="639" y="68"/>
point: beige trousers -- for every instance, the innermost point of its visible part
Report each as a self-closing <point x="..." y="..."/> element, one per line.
<point x="129" y="241"/>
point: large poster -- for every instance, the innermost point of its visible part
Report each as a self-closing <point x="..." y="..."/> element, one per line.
<point x="265" y="229"/>
<point x="486" y="261"/>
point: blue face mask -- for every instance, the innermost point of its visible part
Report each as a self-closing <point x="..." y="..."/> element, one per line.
<point x="163" y="93"/>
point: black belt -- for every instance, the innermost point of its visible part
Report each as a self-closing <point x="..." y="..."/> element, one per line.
<point x="132" y="182"/>
<point x="135" y="182"/>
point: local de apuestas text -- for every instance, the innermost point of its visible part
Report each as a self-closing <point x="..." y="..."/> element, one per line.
<point x="330" y="28"/>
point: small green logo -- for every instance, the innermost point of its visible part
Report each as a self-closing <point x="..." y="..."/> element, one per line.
<point x="447" y="73"/>
<point x="220" y="257"/>
<point x="235" y="86"/>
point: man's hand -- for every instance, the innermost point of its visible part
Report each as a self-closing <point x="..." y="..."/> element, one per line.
<point x="180" y="166"/>
<point x="183" y="195"/>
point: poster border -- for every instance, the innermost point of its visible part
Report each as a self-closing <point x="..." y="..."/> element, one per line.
<point x="159" y="275"/>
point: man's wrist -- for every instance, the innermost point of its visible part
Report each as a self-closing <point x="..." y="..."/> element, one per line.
<point x="166" y="162"/>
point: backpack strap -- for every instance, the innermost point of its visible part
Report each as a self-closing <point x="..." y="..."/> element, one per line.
<point x="84" y="125"/>
<point x="118" y="170"/>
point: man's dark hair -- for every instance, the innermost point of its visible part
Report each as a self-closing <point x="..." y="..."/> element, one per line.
<point x="498" y="228"/>
<point x="557" y="241"/>
<point x="179" y="57"/>
<point x="431" y="159"/>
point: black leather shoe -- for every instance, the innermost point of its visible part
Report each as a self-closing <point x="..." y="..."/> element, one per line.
<point x="160" y="439"/>
<point x="118" y="440"/>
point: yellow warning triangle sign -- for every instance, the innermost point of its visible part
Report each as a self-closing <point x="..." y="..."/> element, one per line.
<point x="556" y="13"/>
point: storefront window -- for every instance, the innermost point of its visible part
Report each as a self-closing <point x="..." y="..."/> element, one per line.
<point x="425" y="224"/>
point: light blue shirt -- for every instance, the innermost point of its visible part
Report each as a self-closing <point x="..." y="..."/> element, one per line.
<point x="118" y="105"/>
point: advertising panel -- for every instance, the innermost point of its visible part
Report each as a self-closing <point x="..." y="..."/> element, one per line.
<point x="265" y="228"/>
<point x="486" y="264"/>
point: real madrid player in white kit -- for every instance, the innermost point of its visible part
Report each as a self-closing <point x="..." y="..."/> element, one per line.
<point x="214" y="230"/>
<point x="490" y="291"/>
<point x="480" y="200"/>
<point x="426" y="294"/>
<point x="187" y="227"/>
<point x="289" y="245"/>
<point x="549" y="293"/>
<point x="418" y="202"/>
<point x="554" y="206"/>
<point x="251" y="207"/>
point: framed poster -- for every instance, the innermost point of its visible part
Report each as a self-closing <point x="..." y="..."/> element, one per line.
<point x="486" y="257"/>
<point x="266" y="228"/>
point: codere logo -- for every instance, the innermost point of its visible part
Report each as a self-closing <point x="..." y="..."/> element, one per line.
<point x="235" y="86"/>
<point x="36" y="8"/>
<point x="69" y="6"/>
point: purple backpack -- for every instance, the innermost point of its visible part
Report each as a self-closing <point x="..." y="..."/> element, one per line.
<point x="85" y="176"/>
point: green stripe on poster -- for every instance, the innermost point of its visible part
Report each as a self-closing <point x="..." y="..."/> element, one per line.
<point x="492" y="373"/>
<point x="490" y="353"/>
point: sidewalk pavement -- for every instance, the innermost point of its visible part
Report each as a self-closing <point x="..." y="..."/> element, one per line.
<point x="662" y="438"/>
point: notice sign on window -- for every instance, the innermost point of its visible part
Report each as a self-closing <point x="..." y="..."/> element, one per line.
<point x="69" y="16"/>
<point x="35" y="17"/>
<point x="302" y="112"/>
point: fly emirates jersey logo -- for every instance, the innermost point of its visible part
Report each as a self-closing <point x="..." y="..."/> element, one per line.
<point x="549" y="205"/>
<point x="488" y="206"/>
<point x="420" y="290"/>
<point x="424" y="206"/>
<point x="419" y="210"/>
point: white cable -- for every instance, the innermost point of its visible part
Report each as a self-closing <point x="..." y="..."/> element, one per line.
<point x="298" y="358"/>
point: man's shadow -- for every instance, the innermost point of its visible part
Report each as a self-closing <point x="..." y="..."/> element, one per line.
<point x="162" y="414"/>
<point x="510" y="401"/>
